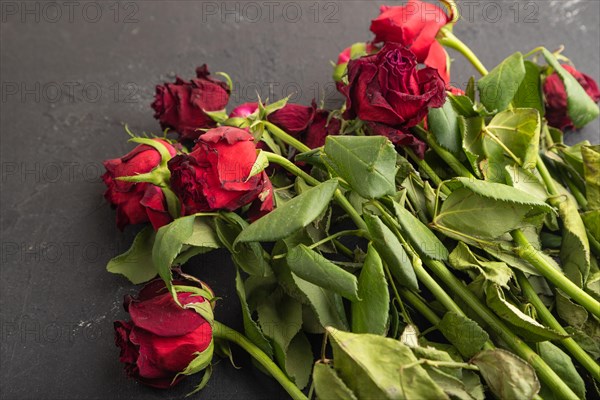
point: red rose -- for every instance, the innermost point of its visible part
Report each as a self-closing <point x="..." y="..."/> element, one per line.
<point x="292" y="118"/>
<point x="388" y="89"/>
<point x="345" y="55"/>
<point x="136" y="202"/>
<point x="556" y="96"/>
<point x="214" y="175"/>
<point x="414" y="25"/>
<point x="162" y="338"/>
<point x="322" y="126"/>
<point x="180" y="106"/>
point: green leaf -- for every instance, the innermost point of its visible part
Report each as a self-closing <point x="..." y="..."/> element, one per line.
<point x="500" y="192"/>
<point x="591" y="220"/>
<point x="462" y="258"/>
<point x="328" y="384"/>
<point x="280" y="319"/>
<point x="259" y="165"/>
<point x="203" y="235"/>
<point x="299" y="360"/>
<point x="571" y="312"/>
<point x="367" y="163"/>
<point x="313" y="267"/>
<point x="508" y="376"/>
<point x="375" y="367"/>
<point x="472" y="141"/>
<point x="529" y="94"/>
<point x="575" y="246"/>
<point x="370" y="315"/>
<point x="248" y="256"/>
<point x="251" y="328"/>
<point x="591" y="172"/>
<point x="291" y="216"/>
<point x="450" y="384"/>
<point x="498" y="88"/>
<point x="580" y="106"/>
<point x="518" y="131"/>
<point x="464" y="333"/>
<point x="326" y="305"/>
<point x="526" y="326"/>
<point x="463" y="212"/>
<point x="463" y="105"/>
<point x="136" y="263"/>
<point x="391" y="251"/>
<point x="200" y="362"/>
<point x="561" y="363"/>
<point x="443" y="124"/>
<point x="168" y="244"/>
<point x="419" y="236"/>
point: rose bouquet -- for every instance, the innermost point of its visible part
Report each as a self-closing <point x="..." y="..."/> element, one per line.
<point x="438" y="242"/>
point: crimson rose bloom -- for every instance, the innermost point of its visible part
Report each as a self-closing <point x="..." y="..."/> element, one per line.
<point x="136" y="202"/>
<point x="162" y="337"/>
<point x="214" y="175"/>
<point x="388" y="92"/>
<point x="556" y="96"/>
<point x="180" y="106"/>
<point x="415" y="26"/>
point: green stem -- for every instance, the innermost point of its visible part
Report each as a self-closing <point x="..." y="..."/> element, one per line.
<point x="444" y="154"/>
<point x="546" y="374"/>
<point x="420" y="305"/>
<point x="286" y="137"/>
<point x="339" y="197"/>
<point x="424" y="166"/>
<point x="569" y="343"/>
<point x="224" y="332"/>
<point x="355" y="232"/>
<point x="574" y="190"/>
<point x="449" y="40"/>
<point x="340" y="246"/>
<point x="546" y="177"/>
<point x="526" y="251"/>
<point x="390" y="278"/>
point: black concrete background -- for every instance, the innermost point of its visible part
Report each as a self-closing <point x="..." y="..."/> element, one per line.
<point x="72" y="74"/>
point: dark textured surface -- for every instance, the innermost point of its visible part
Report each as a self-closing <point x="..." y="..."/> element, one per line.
<point x="69" y="83"/>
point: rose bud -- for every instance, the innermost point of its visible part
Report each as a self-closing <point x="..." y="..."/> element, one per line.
<point x="214" y="175"/>
<point x="244" y="110"/>
<point x="322" y="126"/>
<point x="292" y="118"/>
<point x="414" y="25"/>
<point x="136" y="202"/>
<point x="163" y="338"/>
<point x="180" y="106"/>
<point x="556" y="97"/>
<point x="388" y="89"/>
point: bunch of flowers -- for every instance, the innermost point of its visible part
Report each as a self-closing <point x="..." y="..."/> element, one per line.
<point x="443" y="243"/>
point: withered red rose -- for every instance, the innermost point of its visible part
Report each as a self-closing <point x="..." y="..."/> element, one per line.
<point x="415" y="25"/>
<point x="323" y="125"/>
<point x="136" y="202"/>
<point x="161" y="338"/>
<point x="556" y="96"/>
<point x="180" y="106"/>
<point x="388" y="89"/>
<point x="214" y="175"/>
